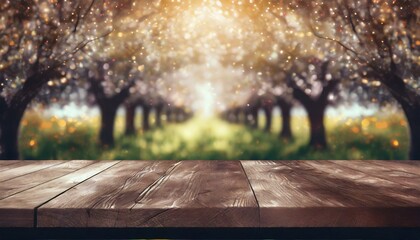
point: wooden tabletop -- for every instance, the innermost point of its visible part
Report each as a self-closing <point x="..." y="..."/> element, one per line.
<point x="120" y="194"/>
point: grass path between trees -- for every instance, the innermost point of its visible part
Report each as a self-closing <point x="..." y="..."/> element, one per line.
<point x="211" y="138"/>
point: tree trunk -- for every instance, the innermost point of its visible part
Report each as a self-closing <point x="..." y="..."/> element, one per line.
<point x="159" y="116"/>
<point x="146" y="114"/>
<point x="178" y="115"/>
<point x="318" y="137"/>
<point x="12" y="114"/>
<point x="106" y="133"/>
<point x="235" y="115"/>
<point x="410" y="103"/>
<point x="268" y="119"/>
<point x="168" y="116"/>
<point x="108" y="107"/>
<point x="412" y="113"/>
<point x="240" y="117"/>
<point x="9" y="131"/>
<point x="130" y="114"/>
<point x="315" y="109"/>
<point x="255" y="123"/>
<point x="286" y="130"/>
<point x="245" y="120"/>
<point x="414" y="121"/>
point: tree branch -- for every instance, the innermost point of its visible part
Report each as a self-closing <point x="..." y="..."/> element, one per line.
<point x="81" y="16"/>
<point x="331" y="86"/>
<point x="300" y="95"/>
<point x="123" y="94"/>
<point x="323" y="71"/>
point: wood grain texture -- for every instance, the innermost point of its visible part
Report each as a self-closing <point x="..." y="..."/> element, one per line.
<point x="104" y="200"/>
<point x="362" y="188"/>
<point x="404" y="178"/>
<point x="25" y="168"/>
<point x="158" y="194"/>
<point x="199" y="194"/>
<point x="210" y="194"/>
<point x="323" y="194"/>
<point x="8" y="162"/>
<point x="19" y="210"/>
<point x="405" y="166"/>
<point x="21" y="183"/>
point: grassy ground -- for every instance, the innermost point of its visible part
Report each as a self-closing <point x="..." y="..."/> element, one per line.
<point x="200" y="138"/>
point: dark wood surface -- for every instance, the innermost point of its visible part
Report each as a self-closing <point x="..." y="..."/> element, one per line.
<point x="132" y="194"/>
<point x="19" y="210"/>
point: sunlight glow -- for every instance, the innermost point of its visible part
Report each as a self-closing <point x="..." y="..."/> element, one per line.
<point x="206" y="102"/>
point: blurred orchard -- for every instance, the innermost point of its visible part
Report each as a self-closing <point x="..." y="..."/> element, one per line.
<point x="237" y="79"/>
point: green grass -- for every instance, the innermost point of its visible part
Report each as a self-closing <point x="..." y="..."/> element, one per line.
<point x="200" y="138"/>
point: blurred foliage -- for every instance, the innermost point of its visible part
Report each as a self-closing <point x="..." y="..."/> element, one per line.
<point x="381" y="137"/>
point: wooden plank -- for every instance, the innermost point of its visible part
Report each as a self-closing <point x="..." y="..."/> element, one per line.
<point x="25" y="168"/>
<point x="19" y="210"/>
<point x="284" y="196"/>
<point x="405" y="166"/>
<point x="100" y="201"/>
<point x="384" y="203"/>
<point x="363" y="189"/>
<point x="6" y="165"/>
<point x="405" y="179"/>
<point x="200" y="194"/>
<point x="292" y="194"/>
<point x="19" y="184"/>
<point x="188" y="194"/>
<point x="278" y="185"/>
<point x="8" y="162"/>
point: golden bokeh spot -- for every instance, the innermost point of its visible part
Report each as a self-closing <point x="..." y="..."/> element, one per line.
<point x="32" y="143"/>
<point x="395" y="143"/>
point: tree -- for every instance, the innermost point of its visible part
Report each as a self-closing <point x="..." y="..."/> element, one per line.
<point x="112" y="73"/>
<point x="102" y="89"/>
<point x="382" y="35"/>
<point x="146" y="105"/>
<point x="159" y="104"/>
<point x="286" y="106"/>
<point x="130" y="115"/>
<point x="313" y="83"/>
<point x="37" y="38"/>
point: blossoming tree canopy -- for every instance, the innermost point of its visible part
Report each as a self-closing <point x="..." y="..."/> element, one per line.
<point x="209" y="56"/>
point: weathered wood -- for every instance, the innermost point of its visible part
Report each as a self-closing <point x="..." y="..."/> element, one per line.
<point x="405" y="166"/>
<point x="25" y="168"/>
<point x="108" y="204"/>
<point x="19" y="210"/>
<point x="362" y="188"/>
<point x="323" y="194"/>
<point x="116" y="194"/>
<point x="8" y="162"/>
<point x="158" y="194"/>
<point x="200" y="194"/>
<point x="405" y="179"/>
<point x="19" y="184"/>
<point x="285" y="197"/>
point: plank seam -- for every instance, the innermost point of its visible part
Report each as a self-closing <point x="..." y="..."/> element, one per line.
<point x="253" y="192"/>
<point x="298" y="167"/>
<point x="8" y="165"/>
<point x="52" y="179"/>
<point x="7" y="162"/>
<point x="37" y="207"/>
<point x="31" y="172"/>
